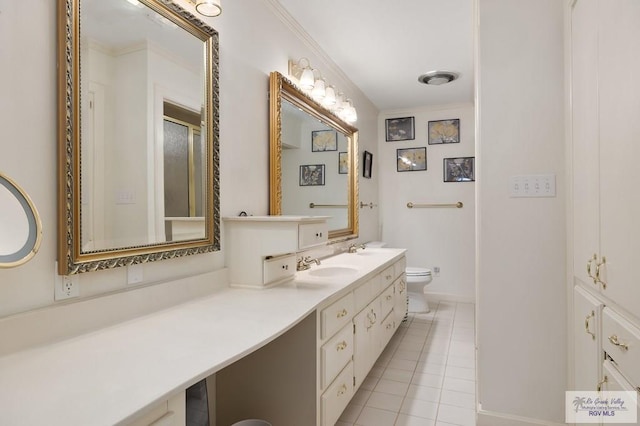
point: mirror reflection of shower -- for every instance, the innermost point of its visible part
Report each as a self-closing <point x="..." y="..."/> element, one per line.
<point x="184" y="174"/>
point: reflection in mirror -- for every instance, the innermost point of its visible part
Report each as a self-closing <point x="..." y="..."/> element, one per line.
<point x="139" y="179"/>
<point x="313" y="160"/>
<point x="307" y="142"/>
<point x="20" y="225"/>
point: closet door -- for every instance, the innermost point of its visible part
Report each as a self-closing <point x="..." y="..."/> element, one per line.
<point x="619" y="105"/>
<point x="584" y="99"/>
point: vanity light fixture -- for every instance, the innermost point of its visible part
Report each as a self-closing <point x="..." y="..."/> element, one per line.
<point x="310" y="81"/>
<point x="209" y="8"/>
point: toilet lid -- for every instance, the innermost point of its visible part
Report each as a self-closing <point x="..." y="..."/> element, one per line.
<point x="417" y="272"/>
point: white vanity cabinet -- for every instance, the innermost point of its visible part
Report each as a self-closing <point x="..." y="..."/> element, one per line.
<point x="605" y="131"/>
<point x="261" y="250"/>
<point x="352" y="332"/>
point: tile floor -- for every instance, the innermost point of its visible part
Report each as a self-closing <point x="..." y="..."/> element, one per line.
<point x="425" y="376"/>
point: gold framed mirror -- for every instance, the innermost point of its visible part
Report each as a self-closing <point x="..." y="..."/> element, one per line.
<point x="313" y="160"/>
<point x="138" y="134"/>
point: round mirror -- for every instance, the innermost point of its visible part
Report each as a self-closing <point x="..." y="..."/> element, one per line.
<point x="20" y="226"/>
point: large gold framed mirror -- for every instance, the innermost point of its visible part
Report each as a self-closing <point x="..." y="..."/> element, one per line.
<point x="313" y="160"/>
<point x="138" y="134"/>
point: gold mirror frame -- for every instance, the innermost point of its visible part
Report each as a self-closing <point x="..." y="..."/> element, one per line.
<point x="281" y="88"/>
<point x="71" y="259"/>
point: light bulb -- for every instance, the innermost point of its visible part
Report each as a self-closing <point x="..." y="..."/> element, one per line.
<point x="306" y="79"/>
<point x="329" y="97"/>
<point x="319" y="90"/>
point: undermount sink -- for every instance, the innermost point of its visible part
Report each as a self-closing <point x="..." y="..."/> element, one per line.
<point x="332" y="271"/>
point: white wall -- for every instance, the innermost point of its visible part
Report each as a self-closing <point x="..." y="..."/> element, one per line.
<point x="521" y="241"/>
<point x="443" y="237"/>
<point x="253" y="42"/>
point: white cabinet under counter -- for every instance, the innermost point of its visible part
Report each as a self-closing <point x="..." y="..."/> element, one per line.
<point x="261" y="250"/>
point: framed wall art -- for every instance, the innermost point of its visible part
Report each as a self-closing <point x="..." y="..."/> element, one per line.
<point x="400" y="129"/>
<point x="444" y="131"/>
<point x="460" y="169"/>
<point x="312" y="175"/>
<point x="367" y="165"/>
<point x="412" y="159"/>
<point x="343" y="163"/>
<point x="324" y="140"/>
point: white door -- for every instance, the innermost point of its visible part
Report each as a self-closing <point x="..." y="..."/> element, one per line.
<point x="619" y="104"/>
<point x="585" y="153"/>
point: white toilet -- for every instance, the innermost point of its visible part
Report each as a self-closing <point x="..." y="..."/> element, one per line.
<point x="417" y="280"/>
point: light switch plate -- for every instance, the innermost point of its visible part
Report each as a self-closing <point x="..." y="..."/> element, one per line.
<point x="532" y="186"/>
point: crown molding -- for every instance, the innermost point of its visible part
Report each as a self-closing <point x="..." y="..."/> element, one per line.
<point x="327" y="63"/>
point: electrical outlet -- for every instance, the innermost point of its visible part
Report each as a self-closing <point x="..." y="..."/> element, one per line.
<point x="134" y="274"/>
<point x="436" y="271"/>
<point x="66" y="287"/>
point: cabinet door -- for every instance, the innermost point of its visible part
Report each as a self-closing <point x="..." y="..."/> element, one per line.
<point x="366" y="340"/>
<point x="401" y="301"/>
<point x="587" y="335"/>
<point x="584" y="100"/>
<point x="619" y="103"/>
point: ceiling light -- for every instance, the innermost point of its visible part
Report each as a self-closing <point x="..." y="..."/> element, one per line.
<point x="209" y="8"/>
<point x="436" y="78"/>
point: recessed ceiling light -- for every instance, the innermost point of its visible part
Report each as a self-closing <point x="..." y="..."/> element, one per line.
<point x="436" y="78"/>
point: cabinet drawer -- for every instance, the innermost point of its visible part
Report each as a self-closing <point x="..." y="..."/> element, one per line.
<point x="337" y="396"/>
<point x="621" y="340"/>
<point x="387" y="328"/>
<point x="312" y="234"/>
<point x="336" y="353"/>
<point x="386" y="301"/>
<point x="399" y="267"/>
<point x="278" y="268"/>
<point x="336" y="316"/>
<point x="387" y="276"/>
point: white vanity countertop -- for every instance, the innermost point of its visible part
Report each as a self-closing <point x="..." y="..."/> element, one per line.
<point x="111" y="375"/>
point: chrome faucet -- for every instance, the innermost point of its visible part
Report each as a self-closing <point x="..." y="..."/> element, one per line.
<point x="304" y="263"/>
<point x="354" y="248"/>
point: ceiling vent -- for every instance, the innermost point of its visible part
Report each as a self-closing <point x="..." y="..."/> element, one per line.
<point x="436" y="78"/>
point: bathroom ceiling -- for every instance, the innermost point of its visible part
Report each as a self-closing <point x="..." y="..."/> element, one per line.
<point x="384" y="46"/>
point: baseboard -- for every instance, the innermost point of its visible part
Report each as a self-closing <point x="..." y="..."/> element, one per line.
<point x="490" y="418"/>
<point x="445" y="297"/>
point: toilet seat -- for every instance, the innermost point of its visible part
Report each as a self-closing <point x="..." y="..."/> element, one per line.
<point x="417" y="272"/>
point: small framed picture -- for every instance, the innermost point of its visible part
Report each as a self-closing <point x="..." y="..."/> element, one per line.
<point x="324" y="140"/>
<point x="459" y="169"/>
<point x="312" y="175"/>
<point x="444" y="131"/>
<point x="367" y="165"/>
<point x="412" y="159"/>
<point x="400" y="129"/>
<point x="343" y="163"/>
